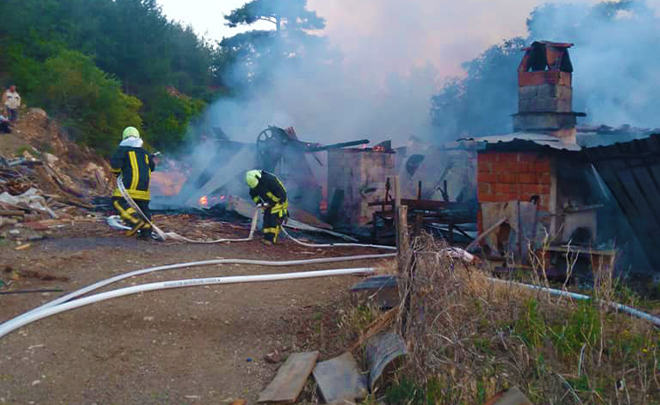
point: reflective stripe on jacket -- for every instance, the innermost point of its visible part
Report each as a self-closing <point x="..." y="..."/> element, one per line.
<point x="135" y="167"/>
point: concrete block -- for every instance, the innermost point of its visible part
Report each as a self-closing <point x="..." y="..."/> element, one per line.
<point x="526" y="92"/>
<point x="524" y="105"/>
<point x="542" y="121"/>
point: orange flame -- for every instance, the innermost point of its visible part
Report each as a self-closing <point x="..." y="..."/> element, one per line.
<point x="204" y="201"/>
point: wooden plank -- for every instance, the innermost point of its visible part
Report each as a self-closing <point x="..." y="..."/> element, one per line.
<point x="485" y="233"/>
<point x="380" y="324"/>
<point x="402" y="238"/>
<point x="12" y="213"/>
<point x="290" y="378"/>
<point x="340" y="379"/>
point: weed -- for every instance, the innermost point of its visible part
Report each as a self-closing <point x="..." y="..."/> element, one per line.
<point x="582" y="327"/>
<point x="471" y="338"/>
<point x="531" y="326"/>
<point x="406" y="392"/>
<point x="26" y="148"/>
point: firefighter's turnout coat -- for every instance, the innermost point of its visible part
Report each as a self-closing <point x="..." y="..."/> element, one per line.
<point x="271" y="191"/>
<point x="135" y="166"/>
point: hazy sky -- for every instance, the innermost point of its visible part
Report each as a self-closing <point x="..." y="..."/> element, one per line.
<point x="391" y="34"/>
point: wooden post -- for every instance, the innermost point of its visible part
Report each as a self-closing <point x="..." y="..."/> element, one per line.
<point x="404" y="254"/>
<point x="419" y="224"/>
<point x="401" y="220"/>
<point x="397" y="193"/>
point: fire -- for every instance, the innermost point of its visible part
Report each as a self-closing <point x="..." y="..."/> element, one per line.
<point x="204" y="201"/>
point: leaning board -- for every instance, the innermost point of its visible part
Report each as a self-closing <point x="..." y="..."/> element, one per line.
<point x="290" y="378"/>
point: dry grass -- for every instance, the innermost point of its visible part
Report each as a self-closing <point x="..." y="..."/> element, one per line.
<point x="471" y="338"/>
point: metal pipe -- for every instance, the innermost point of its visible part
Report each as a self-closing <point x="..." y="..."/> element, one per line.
<point x="9" y="327"/>
<point x="320" y="148"/>
<point x="120" y="277"/>
<point x="620" y="307"/>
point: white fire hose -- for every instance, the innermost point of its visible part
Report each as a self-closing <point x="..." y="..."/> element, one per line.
<point x="117" y="278"/>
<point x="253" y="226"/>
<point x="620" y="307"/>
<point x="33" y="316"/>
<point x="172" y="235"/>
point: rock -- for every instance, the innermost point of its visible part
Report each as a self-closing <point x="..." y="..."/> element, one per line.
<point x="193" y="397"/>
<point x="36" y="382"/>
<point x="273" y="357"/>
<point x="39" y="112"/>
<point x="50" y="158"/>
<point x="148" y="318"/>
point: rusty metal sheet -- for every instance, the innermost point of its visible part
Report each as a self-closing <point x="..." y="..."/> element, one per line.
<point x="382" y="352"/>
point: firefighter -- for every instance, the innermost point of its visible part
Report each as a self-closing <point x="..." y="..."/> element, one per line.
<point x="135" y="166"/>
<point x="268" y="192"/>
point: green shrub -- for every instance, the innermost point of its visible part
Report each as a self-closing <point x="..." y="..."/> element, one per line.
<point x="167" y="118"/>
<point x="73" y="89"/>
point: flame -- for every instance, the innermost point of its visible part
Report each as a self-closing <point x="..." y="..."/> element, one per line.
<point x="204" y="201"/>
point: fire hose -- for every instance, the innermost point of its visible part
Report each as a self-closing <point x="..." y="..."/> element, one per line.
<point x="172" y="235"/>
<point x="33" y="316"/>
<point x="135" y="273"/>
<point x="620" y="307"/>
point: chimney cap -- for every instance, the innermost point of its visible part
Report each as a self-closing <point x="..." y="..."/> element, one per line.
<point x="546" y="56"/>
<point x="564" y="45"/>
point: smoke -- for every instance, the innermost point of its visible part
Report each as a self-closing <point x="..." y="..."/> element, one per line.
<point x="326" y="100"/>
<point x="615" y="58"/>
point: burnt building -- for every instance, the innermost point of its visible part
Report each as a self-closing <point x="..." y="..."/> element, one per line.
<point x="536" y="178"/>
<point x="356" y="178"/>
<point x="543" y="181"/>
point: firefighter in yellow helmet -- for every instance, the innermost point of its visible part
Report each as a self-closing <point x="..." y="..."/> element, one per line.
<point x="135" y="166"/>
<point x="268" y="191"/>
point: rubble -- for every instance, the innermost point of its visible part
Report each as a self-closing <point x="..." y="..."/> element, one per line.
<point x="47" y="177"/>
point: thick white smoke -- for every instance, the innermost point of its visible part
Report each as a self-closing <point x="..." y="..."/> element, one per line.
<point x="616" y="60"/>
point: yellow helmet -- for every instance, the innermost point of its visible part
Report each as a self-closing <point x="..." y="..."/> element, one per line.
<point x="130" y="132"/>
<point x="252" y="178"/>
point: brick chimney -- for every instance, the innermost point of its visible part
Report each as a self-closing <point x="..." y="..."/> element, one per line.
<point x="545" y="92"/>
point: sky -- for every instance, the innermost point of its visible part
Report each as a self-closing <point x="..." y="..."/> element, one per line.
<point x="396" y="55"/>
<point x="444" y="33"/>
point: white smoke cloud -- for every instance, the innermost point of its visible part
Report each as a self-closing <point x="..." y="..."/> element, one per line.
<point x="616" y="63"/>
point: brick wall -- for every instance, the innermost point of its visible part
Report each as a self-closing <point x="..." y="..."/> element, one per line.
<point x="507" y="176"/>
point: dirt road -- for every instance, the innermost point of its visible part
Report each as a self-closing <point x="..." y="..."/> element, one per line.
<point x="202" y="345"/>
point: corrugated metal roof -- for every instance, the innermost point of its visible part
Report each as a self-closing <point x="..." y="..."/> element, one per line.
<point x="533" y="138"/>
<point x="603" y="135"/>
<point x="631" y="171"/>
